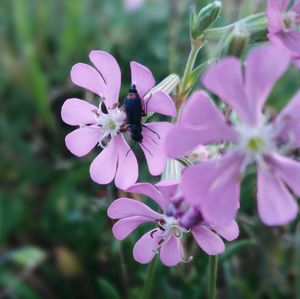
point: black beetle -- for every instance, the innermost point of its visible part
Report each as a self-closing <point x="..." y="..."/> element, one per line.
<point x="135" y="110"/>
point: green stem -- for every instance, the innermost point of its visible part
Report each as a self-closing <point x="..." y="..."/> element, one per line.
<point x="190" y="65"/>
<point x="150" y="278"/>
<point x="213" y="268"/>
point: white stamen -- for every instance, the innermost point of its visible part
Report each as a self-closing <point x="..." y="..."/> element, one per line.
<point x="171" y="228"/>
<point x="110" y="123"/>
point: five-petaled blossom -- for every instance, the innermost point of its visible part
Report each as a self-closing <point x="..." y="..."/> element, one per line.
<point x="283" y="24"/>
<point x="105" y="125"/>
<point x="214" y="185"/>
<point x="176" y="220"/>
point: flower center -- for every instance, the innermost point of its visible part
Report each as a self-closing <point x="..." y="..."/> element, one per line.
<point x="256" y="142"/>
<point x="172" y="227"/>
<point x="289" y="21"/>
<point x="110" y="123"/>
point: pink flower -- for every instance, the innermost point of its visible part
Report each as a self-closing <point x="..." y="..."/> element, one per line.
<point x="251" y="137"/>
<point x="175" y="220"/>
<point x="283" y="24"/>
<point x="106" y="125"/>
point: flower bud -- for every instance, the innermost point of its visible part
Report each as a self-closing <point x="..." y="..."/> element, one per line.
<point x="236" y="41"/>
<point x="168" y="85"/>
<point x="206" y="17"/>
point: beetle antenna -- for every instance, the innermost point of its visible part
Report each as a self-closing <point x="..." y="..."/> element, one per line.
<point x="132" y="147"/>
<point x="142" y="145"/>
<point x="151" y="131"/>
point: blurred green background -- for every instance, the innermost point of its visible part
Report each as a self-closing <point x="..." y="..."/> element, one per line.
<point x="55" y="238"/>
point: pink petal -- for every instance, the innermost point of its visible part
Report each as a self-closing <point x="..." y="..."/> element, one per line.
<point x="167" y="188"/>
<point x="296" y="7"/>
<point x="296" y="62"/>
<point x="226" y="81"/>
<point x="145" y="248"/>
<point x="181" y="139"/>
<point x="111" y="73"/>
<point x="152" y="146"/>
<point x="87" y="77"/>
<point x="124" y="227"/>
<point x="263" y="67"/>
<point x="127" y="171"/>
<point x="127" y="207"/>
<point x="274" y="13"/>
<point x="288" y="170"/>
<point x="200" y="112"/>
<point x="161" y="103"/>
<point x="150" y="191"/>
<point x="214" y="187"/>
<point x="279" y="4"/>
<point x="142" y="77"/>
<point x="291" y="40"/>
<point x="103" y="168"/>
<point x="229" y="231"/>
<point x="81" y="141"/>
<point x="288" y="119"/>
<point x="77" y="112"/>
<point x="171" y="252"/>
<point x="200" y="123"/>
<point x="209" y="242"/>
<point x="276" y="206"/>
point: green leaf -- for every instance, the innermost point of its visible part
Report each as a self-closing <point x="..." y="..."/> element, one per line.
<point x="234" y="248"/>
<point x="108" y="290"/>
<point x="28" y="257"/>
<point x="194" y="76"/>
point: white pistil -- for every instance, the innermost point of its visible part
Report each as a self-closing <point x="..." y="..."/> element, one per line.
<point x="110" y="123"/>
<point x="289" y="21"/>
<point x="171" y="228"/>
<point x="255" y="143"/>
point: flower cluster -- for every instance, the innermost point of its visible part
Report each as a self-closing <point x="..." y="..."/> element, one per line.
<point x="252" y="137"/>
<point x="106" y="125"/>
<point x="218" y="143"/>
<point x="176" y="220"/>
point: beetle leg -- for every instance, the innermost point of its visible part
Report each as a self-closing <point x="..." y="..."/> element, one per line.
<point x="131" y="149"/>
<point x="151" y="131"/>
<point x="142" y="145"/>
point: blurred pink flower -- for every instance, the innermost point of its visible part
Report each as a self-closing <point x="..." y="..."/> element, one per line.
<point x="105" y="125"/>
<point x="214" y="185"/>
<point x="132" y="5"/>
<point x="200" y="153"/>
<point x="283" y="24"/>
<point x="176" y="219"/>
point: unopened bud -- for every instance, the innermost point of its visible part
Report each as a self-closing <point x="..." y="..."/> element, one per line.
<point x="205" y="18"/>
<point x="236" y="41"/>
<point x="168" y="85"/>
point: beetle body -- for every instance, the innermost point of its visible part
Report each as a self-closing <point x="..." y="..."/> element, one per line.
<point x="134" y="112"/>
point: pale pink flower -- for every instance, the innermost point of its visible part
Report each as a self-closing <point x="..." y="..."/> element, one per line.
<point x="176" y="220"/>
<point x="106" y="125"/>
<point x="283" y="26"/>
<point x="214" y="185"/>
